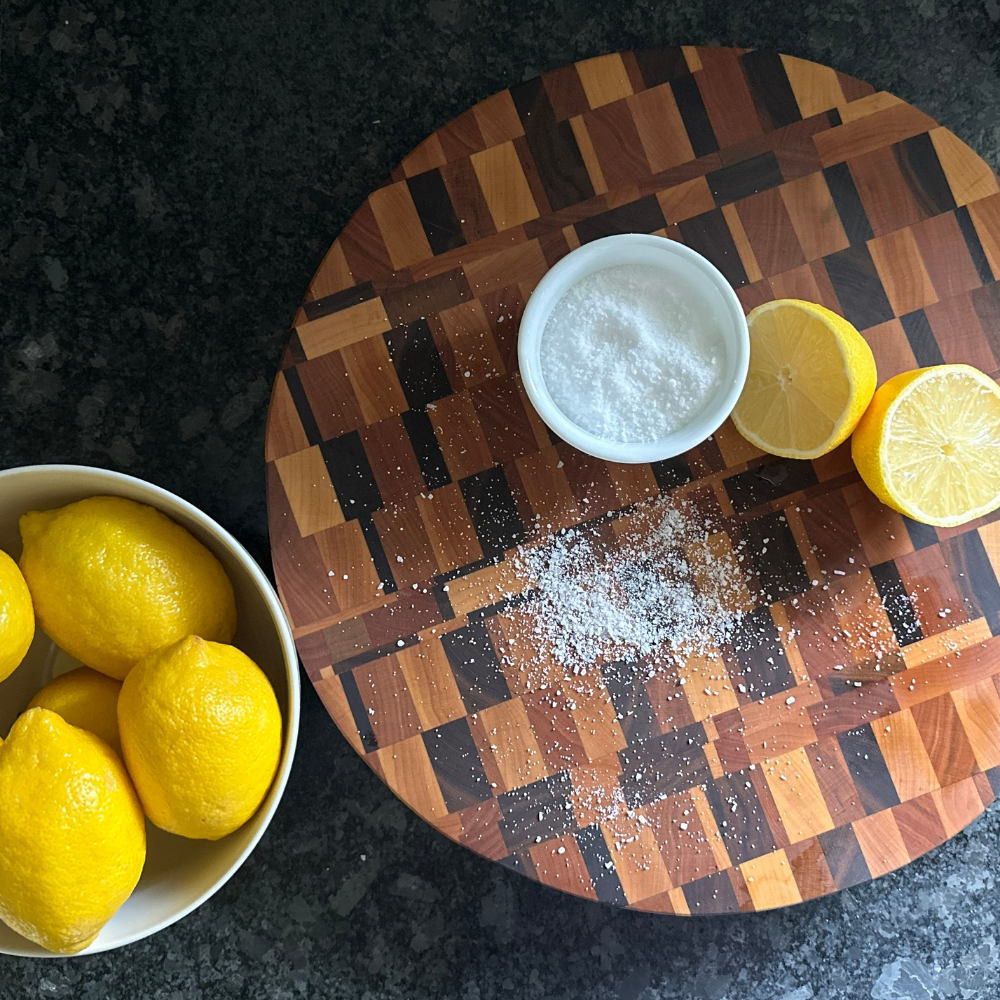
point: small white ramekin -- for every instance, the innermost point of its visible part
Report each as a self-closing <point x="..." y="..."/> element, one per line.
<point x="179" y="874"/>
<point x="680" y="265"/>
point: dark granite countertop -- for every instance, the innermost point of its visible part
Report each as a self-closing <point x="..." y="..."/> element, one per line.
<point x="170" y="175"/>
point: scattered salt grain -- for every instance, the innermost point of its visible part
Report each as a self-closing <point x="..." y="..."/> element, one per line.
<point x="661" y="592"/>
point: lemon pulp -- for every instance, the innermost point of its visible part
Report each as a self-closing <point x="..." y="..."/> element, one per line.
<point x="929" y="445"/>
<point x="811" y="376"/>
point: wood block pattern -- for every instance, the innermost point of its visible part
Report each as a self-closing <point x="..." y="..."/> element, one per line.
<point x="857" y="723"/>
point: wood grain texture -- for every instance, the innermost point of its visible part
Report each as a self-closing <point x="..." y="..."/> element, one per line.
<point x="404" y="461"/>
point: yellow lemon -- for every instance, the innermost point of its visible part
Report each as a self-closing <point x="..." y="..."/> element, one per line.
<point x="201" y="733"/>
<point x="811" y="377"/>
<point x="929" y="444"/>
<point x="72" y="835"/>
<point x="17" y="617"/>
<point x="113" y="579"/>
<point x="86" y="699"/>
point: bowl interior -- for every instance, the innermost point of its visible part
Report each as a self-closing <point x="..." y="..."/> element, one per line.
<point x="687" y="269"/>
<point x="179" y="874"/>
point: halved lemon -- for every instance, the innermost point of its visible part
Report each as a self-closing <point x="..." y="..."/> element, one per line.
<point x="929" y="444"/>
<point x="811" y="377"/>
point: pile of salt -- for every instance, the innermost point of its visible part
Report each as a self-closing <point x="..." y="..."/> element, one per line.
<point x="629" y="356"/>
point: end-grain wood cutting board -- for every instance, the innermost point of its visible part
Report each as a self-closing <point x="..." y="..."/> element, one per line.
<point x="404" y="461"/>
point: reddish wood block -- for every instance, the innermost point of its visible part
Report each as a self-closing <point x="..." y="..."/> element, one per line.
<point x="504" y="421"/>
<point x="554" y="729"/>
<point x="944" y="737"/>
<point x="685" y="846"/>
<point x="481" y="830"/>
<point x="726" y="95"/>
<point x="831" y="529"/>
<point x="771" y="233"/>
<point x="613" y="133"/>
<point x="560" y="864"/>
<point x="891" y="348"/>
<point x="808" y="864"/>
<point x="919" y="825"/>
<point x="449" y="528"/>
<point x="390" y="708"/>
<point x="548" y="490"/>
<point x="331" y="396"/>
<point x="461" y="137"/>
<point x="460" y="435"/>
<point x="798" y="283"/>
<point x="363" y="246"/>
<point x="392" y="460"/>
<point x="902" y="270"/>
<point x="943" y="249"/>
<point x="889" y="203"/>
<point x="960" y="335"/>
<point x="934" y="594"/>
<point x="467" y="199"/>
<point x="405" y="542"/>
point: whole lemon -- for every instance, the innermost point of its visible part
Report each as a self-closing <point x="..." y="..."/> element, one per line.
<point x="72" y="835"/>
<point x="17" y="616"/>
<point x="201" y="733"/>
<point x="85" y="699"/>
<point x="113" y="579"/>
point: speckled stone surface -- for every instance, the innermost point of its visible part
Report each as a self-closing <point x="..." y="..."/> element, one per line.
<point x="170" y="175"/>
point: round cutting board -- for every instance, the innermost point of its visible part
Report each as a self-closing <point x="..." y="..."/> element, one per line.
<point x="404" y="462"/>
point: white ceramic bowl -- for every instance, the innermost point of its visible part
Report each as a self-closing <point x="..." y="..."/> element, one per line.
<point x="680" y="265"/>
<point x="180" y="874"/>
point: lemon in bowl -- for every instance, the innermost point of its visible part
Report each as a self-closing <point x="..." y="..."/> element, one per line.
<point x="201" y="732"/>
<point x="17" y="616"/>
<point x="86" y="699"/>
<point x="179" y="873"/>
<point x="72" y="836"/>
<point x="113" y="580"/>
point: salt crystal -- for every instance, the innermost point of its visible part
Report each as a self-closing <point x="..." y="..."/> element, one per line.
<point x="629" y="356"/>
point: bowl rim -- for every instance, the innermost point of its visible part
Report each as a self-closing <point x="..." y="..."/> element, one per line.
<point x="289" y="655"/>
<point x="544" y="297"/>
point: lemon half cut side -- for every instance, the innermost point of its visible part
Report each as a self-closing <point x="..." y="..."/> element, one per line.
<point x="929" y="444"/>
<point x="811" y="377"/>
